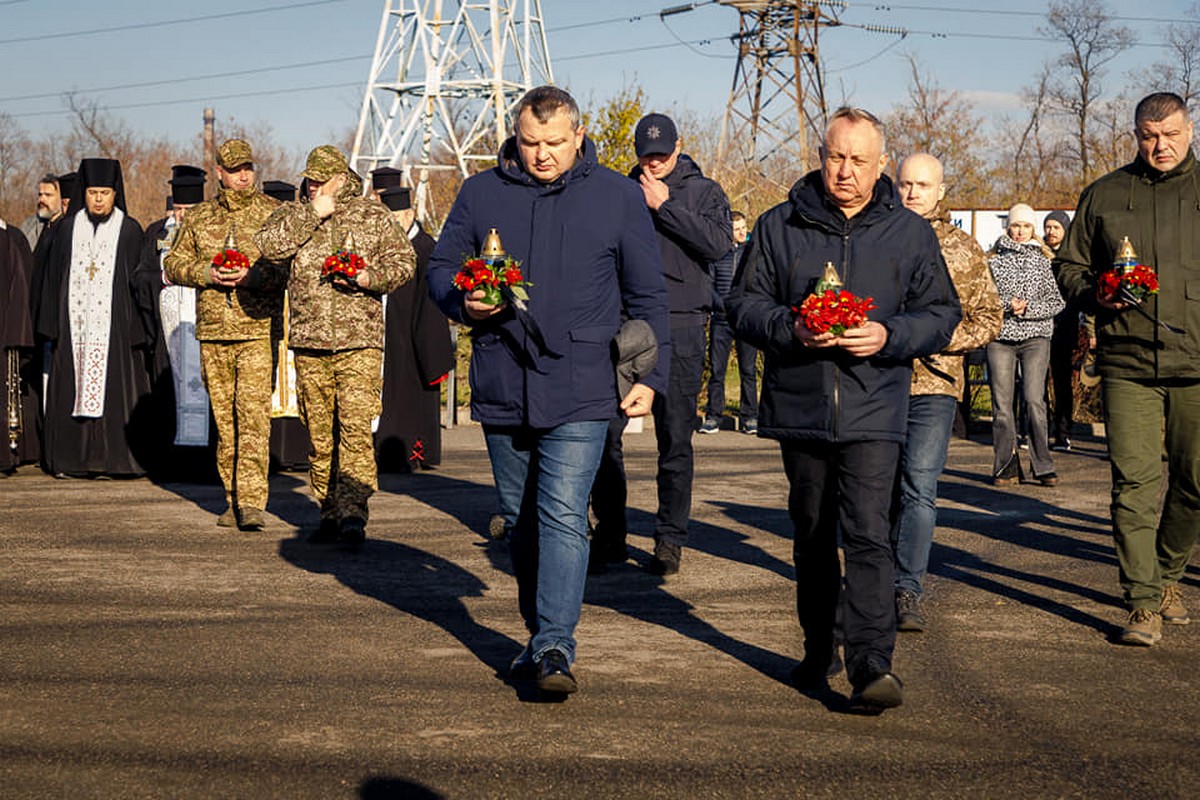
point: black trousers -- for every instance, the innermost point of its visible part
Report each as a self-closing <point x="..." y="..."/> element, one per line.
<point x="846" y="487"/>
<point x="674" y="424"/>
<point x="609" y="493"/>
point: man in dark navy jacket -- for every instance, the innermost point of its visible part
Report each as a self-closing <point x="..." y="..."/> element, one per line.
<point x="838" y="404"/>
<point x="543" y="382"/>
<point x="691" y="218"/>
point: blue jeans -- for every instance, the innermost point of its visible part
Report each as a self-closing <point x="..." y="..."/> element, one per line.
<point x="1034" y="358"/>
<point x="543" y="478"/>
<point x="930" y="420"/>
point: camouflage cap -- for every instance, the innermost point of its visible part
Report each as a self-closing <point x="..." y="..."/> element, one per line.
<point x="324" y="163"/>
<point x="234" y="152"/>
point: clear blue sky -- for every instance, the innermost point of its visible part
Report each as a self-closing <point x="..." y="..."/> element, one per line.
<point x="301" y="66"/>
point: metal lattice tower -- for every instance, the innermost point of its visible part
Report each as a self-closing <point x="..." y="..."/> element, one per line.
<point x="778" y="97"/>
<point x="445" y="77"/>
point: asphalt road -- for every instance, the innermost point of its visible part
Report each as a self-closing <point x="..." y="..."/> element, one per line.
<point x="145" y="652"/>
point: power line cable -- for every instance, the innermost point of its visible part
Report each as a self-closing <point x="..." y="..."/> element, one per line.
<point x="185" y="78"/>
<point x="163" y="23"/>
<point x="976" y="11"/>
<point x="202" y="99"/>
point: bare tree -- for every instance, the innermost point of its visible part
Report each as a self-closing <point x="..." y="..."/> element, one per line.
<point x="1093" y="40"/>
<point x="1179" y="72"/>
<point x="945" y="125"/>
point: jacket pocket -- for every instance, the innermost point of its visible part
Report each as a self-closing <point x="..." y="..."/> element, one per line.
<point x="495" y="376"/>
<point x="593" y="373"/>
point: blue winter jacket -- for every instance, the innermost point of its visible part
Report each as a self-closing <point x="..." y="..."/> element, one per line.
<point x="885" y="252"/>
<point x="587" y="245"/>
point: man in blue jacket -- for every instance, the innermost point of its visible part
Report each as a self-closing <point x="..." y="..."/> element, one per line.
<point x="838" y="403"/>
<point x="543" y="383"/>
<point x="691" y="219"/>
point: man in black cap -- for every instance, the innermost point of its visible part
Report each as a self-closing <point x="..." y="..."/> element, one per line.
<point x="692" y="220"/>
<point x="417" y="355"/>
<point x="179" y="447"/>
<point x="89" y="315"/>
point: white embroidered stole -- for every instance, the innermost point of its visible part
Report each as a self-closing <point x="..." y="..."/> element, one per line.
<point x="89" y="303"/>
<point x="177" y="307"/>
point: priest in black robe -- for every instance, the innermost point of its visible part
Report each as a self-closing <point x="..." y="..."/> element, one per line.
<point x="20" y="444"/>
<point x="88" y="314"/>
<point x="181" y="439"/>
<point x="417" y="355"/>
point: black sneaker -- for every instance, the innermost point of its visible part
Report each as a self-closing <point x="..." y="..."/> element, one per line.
<point x="666" y="559"/>
<point x="1062" y="443"/>
<point x="908" y="612"/>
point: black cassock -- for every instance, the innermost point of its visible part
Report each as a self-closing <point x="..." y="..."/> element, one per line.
<point x="113" y="443"/>
<point x="416" y="351"/>
<point x="163" y="459"/>
<point x="16" y="336"/>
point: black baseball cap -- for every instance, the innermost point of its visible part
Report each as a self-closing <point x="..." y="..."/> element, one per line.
<point x="655" y="135"/>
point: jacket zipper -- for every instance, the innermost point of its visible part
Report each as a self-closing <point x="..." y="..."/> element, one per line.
<point x="837" y="373"/>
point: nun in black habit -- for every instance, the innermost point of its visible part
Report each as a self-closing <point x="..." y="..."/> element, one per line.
<point x="88" y="313"/>
<point x="417" y="355"/>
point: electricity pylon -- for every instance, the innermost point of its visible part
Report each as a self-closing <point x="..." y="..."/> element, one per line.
<point x="778" y="97"/>
<point x="445" y="76"/>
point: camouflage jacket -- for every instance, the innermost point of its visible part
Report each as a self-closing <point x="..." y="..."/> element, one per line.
<point x="251" y="311"/>
<point x="981" y="312"/>
<point x="323" y="316"/>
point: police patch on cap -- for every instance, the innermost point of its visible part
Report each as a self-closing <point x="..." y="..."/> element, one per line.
<point x="324" y="163"/>
<point x="655" y="135"/>
<point x="234" y="153"/>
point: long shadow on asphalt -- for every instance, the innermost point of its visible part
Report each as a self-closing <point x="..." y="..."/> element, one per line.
<point x="412" y="581"/>
<point x="635" y="593"/>
<point x="1017" y="519"/>
<point x="471" y="504"/>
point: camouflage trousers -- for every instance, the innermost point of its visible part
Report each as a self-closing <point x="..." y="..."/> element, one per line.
<point x="338" y="397"/>
<point x="238" y="378"/>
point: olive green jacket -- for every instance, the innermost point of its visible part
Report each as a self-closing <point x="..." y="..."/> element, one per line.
<point x="1160" y="213"/>
<point x="324" y="316"/>
<point x="251" y="311"/>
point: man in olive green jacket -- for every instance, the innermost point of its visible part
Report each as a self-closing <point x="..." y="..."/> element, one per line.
<point x="237" y="313"/>
<point x="1147" y="356"/>
<point x="336" y="329"/>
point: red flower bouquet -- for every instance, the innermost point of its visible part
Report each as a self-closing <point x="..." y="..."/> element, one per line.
<point x="1131" y="284"/>
<point x="343" y="264"/>
<point x="835" y="311"/>
<point x="231" y="260"/>
<point x="493" y="272"/>
<point x="830" y="308"/>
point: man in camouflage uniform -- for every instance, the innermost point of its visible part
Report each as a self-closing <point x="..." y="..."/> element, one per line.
<point x="336" y="329"/>
<point x="937" y="384"/>
<point x="237" y="314"/>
